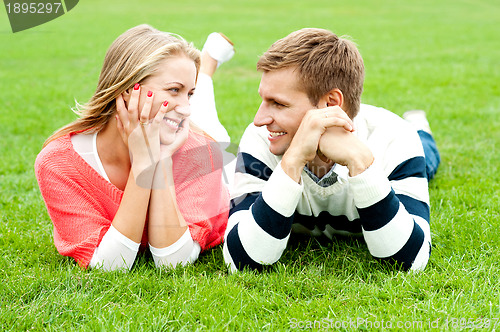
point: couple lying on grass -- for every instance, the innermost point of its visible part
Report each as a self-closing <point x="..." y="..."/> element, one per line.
<point x="142" y="168"/>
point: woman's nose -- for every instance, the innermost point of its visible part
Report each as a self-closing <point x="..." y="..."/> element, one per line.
<point x="183" y="110"/>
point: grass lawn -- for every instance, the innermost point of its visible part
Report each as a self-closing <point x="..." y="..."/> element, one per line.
<point x="441" y="56"/>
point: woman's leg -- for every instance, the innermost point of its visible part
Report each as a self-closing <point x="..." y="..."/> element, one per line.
<point x="217" y="50"/>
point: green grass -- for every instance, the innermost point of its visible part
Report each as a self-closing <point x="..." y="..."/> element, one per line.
<point x="441" y="56"/>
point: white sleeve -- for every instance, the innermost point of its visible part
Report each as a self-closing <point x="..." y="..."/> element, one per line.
<point x="184" y="251"/>
<point x="259" y="234"/>
<point x="115" y="252"/>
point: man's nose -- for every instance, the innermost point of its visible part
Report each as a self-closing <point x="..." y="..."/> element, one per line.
<point x="263" y="116"/>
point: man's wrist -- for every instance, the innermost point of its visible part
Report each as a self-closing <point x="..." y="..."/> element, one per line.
<point x="281" y="192"/>
<point x="360" y="163"/>
<point x="292" y="166"/>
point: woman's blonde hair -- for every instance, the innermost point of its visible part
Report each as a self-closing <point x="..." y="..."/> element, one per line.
<point x="132" y="57"/>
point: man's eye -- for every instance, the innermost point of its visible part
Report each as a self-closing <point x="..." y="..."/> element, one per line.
<point x="278" y="104"/>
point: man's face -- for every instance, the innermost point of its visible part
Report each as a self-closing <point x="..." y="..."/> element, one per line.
<point x="283" y="107"/>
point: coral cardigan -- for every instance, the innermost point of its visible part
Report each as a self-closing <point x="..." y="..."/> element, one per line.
<point x="82" y="204"/>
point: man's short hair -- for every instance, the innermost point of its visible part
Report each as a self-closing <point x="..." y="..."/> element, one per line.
<point x="324" y="62"/>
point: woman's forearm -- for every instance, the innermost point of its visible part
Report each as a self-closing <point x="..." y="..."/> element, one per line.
<point x="166" y="223"/>
<point x="131" y="215"/>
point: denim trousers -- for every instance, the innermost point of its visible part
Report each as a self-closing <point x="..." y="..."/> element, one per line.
<point x="432" y="158"/>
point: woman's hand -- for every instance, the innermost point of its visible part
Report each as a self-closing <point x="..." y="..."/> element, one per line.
<point x="180" y="138"/>
<point x="140" y="134"/>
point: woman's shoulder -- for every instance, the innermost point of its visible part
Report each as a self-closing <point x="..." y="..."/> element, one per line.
<point x="59" y="157"/>
<point x="198" y="142"/>
<point x="55" y="151"/>
<point x="198" y="152"/>
<point x="198" y="138"/>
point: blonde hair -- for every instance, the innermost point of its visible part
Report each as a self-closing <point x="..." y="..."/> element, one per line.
<point x="132" y="57"/>
<point x="323" y="61"/>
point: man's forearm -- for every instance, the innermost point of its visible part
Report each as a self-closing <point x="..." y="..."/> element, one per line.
<point x="258" y="235"/>
<point x="395" y="227"/>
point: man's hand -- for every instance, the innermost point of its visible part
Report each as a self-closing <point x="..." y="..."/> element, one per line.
<point x="344" y="148"/>
<point x="306" y="140"/>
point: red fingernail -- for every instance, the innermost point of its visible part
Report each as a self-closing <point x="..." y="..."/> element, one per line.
<point x="165" y="103"/>
<point x="150" y="93"/>
<point x="136" y="86"/>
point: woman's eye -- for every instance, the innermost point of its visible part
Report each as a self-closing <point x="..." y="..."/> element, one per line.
<point x="176" y="90"/>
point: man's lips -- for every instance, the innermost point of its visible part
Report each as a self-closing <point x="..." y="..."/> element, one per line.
<point x="273" y="135"/>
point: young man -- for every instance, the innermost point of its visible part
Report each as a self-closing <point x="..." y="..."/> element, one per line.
<point x="317" y="161"/>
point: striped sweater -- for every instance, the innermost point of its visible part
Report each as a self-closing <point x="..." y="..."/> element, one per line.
<point x="388" y="203"/>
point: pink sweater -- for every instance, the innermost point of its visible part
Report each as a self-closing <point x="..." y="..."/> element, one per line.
<point x="82" y="204"/>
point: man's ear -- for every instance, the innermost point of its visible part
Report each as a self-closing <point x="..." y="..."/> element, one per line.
<point x="333" y="97"/>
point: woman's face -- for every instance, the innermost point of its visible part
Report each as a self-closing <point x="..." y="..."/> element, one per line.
<point x="173" y="82"/>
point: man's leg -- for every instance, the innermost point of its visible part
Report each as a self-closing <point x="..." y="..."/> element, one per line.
<point x="432" y="158"/>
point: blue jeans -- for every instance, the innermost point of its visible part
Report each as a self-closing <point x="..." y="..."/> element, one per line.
<point x="432" y="158"/>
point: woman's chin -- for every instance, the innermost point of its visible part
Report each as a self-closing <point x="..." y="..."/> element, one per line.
<point x="167" y="134"/>
<point x="167" y="138"/>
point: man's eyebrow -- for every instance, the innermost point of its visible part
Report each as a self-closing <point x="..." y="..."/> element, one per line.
<point x="268" y="98"/>
<point x="276" y="100"/>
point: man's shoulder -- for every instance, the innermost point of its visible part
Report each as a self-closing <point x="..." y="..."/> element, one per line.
<point x="373" y="119"/>
<point x="390" y="137"/>
<point x="379" y="116"/>
<point x="254" y="148"/>
<point x="253" y="132"/>
<point x="255" y="141"/>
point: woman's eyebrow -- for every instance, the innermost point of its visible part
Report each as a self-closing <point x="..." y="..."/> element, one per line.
<point x="174" y="82"/>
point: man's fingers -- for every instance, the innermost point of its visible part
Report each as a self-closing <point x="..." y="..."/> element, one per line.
<point x="338" y="122"/>
<point x="335" y="116"/>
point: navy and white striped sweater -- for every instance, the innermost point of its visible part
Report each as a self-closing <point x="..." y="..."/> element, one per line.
<point x="388" y="203"/>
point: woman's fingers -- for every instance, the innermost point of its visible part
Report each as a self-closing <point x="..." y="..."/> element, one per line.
<point x="161" y="113"/>
<point x="180" y="138"/>
<point x="146" y="109"/>
<point x="121" y="109"/>
<point x="133" y="104"/>
<point x="119" y="124"/>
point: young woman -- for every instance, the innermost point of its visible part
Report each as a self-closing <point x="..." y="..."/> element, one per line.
<point x="131" y="170"/>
